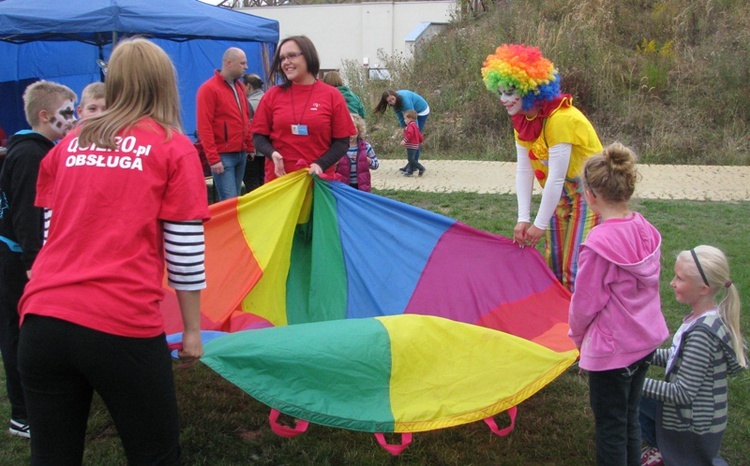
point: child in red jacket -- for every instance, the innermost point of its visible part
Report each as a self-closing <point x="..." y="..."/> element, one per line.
<point x="412" y="139"/>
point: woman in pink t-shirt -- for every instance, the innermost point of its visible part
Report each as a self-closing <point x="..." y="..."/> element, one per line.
<point x="303" y="122"/>
<point x="122" y="193"/>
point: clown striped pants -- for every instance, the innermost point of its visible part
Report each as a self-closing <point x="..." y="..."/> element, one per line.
<point x="569" y="226"/>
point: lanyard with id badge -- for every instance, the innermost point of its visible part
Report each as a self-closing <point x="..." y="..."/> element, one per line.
<point x="300" y="129"/>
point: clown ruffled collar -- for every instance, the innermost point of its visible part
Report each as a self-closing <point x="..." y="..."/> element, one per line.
<point x="529" y="128"/>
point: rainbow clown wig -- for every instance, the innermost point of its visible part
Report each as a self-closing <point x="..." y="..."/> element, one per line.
<point x="524" y="69"/>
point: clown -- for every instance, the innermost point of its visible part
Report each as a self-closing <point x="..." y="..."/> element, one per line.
<point x="553" y="140"/>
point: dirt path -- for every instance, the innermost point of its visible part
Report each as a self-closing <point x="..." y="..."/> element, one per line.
<point x="695" y="182"/>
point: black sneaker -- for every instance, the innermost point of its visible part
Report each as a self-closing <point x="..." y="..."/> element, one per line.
<point x="404" y="168"/>
<point x="19" y="428"/>
<point x="421" y="171"/>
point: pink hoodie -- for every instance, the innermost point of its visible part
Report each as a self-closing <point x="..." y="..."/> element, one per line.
<point x="615" y="314"/>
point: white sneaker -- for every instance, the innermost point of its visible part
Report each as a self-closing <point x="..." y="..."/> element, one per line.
<point x="20" y="429"/>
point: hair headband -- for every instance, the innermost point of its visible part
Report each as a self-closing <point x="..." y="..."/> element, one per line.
<point x="700" y="269"/>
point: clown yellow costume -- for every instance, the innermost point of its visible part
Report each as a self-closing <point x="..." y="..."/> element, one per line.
<point x="553" y="141"/>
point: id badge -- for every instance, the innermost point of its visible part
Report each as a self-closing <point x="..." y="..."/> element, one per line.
<point x="299" y="130"/>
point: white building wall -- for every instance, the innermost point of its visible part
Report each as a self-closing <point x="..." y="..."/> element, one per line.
<point x="355" y="31"/>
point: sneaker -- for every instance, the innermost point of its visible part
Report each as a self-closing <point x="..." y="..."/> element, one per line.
<point x="408" y="173"/>
<point x="421" y="171"/>
<point x="19" y="428"/>
<point x="651" y="456"/>
<point x="404" y="168"/>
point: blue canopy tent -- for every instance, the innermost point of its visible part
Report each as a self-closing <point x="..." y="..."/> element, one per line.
<point x="63" y="42"/>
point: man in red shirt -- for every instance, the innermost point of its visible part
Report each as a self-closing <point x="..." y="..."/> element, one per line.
<point x="224" y="123"/>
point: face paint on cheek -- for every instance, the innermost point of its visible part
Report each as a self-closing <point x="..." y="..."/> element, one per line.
<point x="511" y="101"/>
<point x="63" y="119"/>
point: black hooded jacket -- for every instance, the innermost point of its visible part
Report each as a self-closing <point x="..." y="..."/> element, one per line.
<point x="20" y="221"/>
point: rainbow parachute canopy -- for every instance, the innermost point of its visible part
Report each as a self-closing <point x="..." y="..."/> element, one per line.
<point x="373" y="315"/>
<point x="524" y="69"/>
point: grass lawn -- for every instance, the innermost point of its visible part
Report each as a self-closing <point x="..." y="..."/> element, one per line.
<point x="224" y="426"/>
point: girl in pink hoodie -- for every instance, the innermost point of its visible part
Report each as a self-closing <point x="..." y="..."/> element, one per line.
<point x="615" y="313"/>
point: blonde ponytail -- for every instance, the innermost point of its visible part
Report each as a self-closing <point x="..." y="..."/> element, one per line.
<point x="729" y="309"/>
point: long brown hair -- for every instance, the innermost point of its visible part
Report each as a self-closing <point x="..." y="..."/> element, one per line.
<point x="383" y="104"/>
<point x="141" y="82"/>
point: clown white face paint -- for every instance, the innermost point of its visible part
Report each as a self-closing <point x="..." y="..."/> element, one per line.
<point x="62" y="120"/>
<point x="510" y="99"/>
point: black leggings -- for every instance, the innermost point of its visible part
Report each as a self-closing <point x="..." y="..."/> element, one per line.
<point x="61" y="364"/>
<point x="12" y="280"/>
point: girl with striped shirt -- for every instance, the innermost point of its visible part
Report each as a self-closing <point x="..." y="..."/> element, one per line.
<point x="683" y="417"/>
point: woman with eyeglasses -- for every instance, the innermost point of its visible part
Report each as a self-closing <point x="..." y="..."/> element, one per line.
<point x="302" y="122"/>
<point x="553" y="141"/>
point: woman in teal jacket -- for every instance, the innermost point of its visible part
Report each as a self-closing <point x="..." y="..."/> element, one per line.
<point x="401" y="101"/>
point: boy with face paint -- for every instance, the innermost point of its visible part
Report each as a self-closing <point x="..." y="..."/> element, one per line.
<point x="50" y="110"/>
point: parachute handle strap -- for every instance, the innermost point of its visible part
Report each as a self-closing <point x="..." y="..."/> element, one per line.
<point x="394" y="450"/>
<point x="284" y="431"/>
<point x="490" y="421"/>
<point x="177" y="346"/>
<point x="174" y="348"/>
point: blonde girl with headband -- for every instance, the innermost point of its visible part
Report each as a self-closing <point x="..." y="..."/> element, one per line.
<point x="615" y="314"/>
<point x="553" y="141"/>
<point x="685" y="415"/>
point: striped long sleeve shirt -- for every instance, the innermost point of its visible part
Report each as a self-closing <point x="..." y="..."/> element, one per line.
<point x="185" y="251"/>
